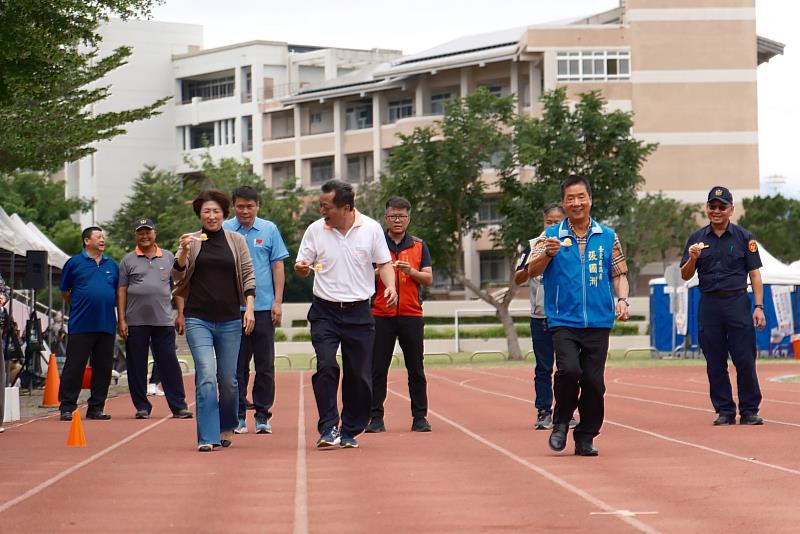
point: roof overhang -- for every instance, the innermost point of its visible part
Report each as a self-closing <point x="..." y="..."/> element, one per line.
<point x="503" y="52"/>
<point x="324" y="93"/>
<point x="768" y="49"/>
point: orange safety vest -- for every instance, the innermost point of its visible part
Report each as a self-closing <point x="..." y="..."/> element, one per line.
<point x="409" y="302"/>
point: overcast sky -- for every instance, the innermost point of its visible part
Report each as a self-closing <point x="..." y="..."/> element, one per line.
<point x="415" y="25"/>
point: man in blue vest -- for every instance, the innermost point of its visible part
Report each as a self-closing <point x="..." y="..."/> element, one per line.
<point x="584" y="268"/>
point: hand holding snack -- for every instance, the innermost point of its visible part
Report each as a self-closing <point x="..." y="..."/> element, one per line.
<point x="696" y="249"/>
<point x="552" y="245"/>
<point x="302" y="268"/>
<point x="403" y="266"/>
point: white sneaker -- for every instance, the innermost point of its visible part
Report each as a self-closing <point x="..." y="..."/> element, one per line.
<point x="159" y="391"/>
<point x="151" y="389"/>
<point x="2" y="429"/>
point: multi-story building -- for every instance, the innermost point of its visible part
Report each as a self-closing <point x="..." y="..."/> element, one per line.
<point x="686" y="68"/>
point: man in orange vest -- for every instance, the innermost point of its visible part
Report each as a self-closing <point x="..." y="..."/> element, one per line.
<point x="403" y="322"/>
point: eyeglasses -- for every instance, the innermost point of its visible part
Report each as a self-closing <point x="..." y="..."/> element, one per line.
<point x="397" y="217"/>
<point x="717" y="207"/>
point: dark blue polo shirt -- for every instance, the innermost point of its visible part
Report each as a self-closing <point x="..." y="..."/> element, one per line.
<point x="725" y="264"/>
<point x="93" y="289"/>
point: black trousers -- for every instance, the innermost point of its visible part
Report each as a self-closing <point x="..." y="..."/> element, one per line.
<point x="409" y="331"/>
<point x="137" y="347"/>
<point x="579" y="380"/>
<point x="259" y="346"/>
<point x="97" y="348"/>
<point x="354" y="328"/>
<point x="726" y="327"/>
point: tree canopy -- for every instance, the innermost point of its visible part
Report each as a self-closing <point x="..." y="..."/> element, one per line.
<point x="774" y="221"/>
<point x="49" y="66"/>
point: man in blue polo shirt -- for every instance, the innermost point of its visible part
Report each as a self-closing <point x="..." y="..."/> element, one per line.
<point x="267" y="250"/>
<point x="89" y="287"/>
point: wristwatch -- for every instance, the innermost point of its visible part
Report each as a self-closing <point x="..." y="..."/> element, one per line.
<point x="759" y="306"/>
<point x="625" y="300"/>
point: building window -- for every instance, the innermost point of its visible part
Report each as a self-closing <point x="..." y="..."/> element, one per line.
<point x="282" y="125"/>
<point x="321" y="170"/>
<point x="496" y="89"/>
<point x="439" y="103"/>
<point x="358" y="114"/>
<point x="320" y="120"/>
<point x="247" y="82"/>
<point x="593" y="65"/>
<point x="400" y="109"/>
<point x="247" y="133"/>
<point x="494" y="268"/>
<point x="201" y="135"/>
<point x="211" y="89"/>
<point x="488" y="213"/>
<point x="359" y="168"/>
<point x="281" y="172"/>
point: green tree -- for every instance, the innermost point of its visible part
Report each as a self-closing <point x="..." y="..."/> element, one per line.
<point x="49" y="66"/>
<point x="439" y="170"/>
<point x="774" y="222"/>
<point x="36" y="198"/>
<point x="655" y="228"/>
<point x="583" y="139"/>
<point x="166" y="198"/>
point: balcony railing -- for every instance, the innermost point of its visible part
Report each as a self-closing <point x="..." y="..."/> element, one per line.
<point x="284" y="89"/>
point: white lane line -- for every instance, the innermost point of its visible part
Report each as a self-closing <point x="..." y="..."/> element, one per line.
<point x="65" y="473"/>
<point x="719" y="452"/>
<point x="301" y="473"/>
<point x="637" y="399"/>
<point x="588" y="497"/>
<point x="703" y="393"/>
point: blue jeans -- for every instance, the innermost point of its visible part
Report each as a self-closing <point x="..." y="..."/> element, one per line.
<point x="545" y="355"/>
<point x="215" y="351"/>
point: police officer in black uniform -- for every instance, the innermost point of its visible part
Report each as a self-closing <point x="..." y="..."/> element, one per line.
<point x="724" y="255"/>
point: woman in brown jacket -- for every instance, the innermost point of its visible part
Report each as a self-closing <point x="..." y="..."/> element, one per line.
<point x="213" y="272"/>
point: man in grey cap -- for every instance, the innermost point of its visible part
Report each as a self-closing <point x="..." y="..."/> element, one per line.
<point x="145" y="320"/>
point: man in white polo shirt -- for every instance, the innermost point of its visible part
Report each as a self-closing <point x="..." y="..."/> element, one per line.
<point x="342" y="249"/>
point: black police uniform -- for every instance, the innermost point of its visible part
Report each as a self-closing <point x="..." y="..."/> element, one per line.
<point x="726" y="319"/>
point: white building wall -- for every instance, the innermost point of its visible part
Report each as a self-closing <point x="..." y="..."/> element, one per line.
<point x="145" y="78"/>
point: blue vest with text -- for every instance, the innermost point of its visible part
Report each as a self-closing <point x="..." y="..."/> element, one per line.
<point x="577" y="287"/>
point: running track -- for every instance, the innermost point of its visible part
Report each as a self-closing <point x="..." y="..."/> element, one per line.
<point x="662" y="466"/>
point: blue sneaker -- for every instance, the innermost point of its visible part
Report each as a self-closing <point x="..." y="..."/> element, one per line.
<point x="348" y="442"/>
<point x="242" y="427"/>
<point x="263" y="427"/>
<point x="331" y="438"/>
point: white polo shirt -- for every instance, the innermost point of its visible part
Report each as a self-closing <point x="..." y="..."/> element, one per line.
<point x="342" y="264"/>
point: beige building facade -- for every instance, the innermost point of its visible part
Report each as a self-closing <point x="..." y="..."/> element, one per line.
<point x="685" y="68"/>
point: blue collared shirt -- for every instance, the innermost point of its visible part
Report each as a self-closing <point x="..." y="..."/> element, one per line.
<point x="725" y="264"/>
<point x="266" y="246"/>
<point x="93" y="293"/>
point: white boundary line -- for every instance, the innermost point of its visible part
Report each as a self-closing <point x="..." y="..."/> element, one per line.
<point x="647" y="432"/>
<point x="65" y="473"/>
<point x="301" y="474"/>
<point x="703" y="393"/>
<point x="591" y="499"/>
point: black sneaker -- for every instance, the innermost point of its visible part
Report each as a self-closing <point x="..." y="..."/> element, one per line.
<point x="100" y="416"/>
<point x="544" y="421"/>
<point x="142" y="414"/>
<point x="375" y="426"/>
<point x="183" y="413"/>
<point x="751" y="419"/>
<point x="725" y="419"/>
<point x="65" y="416"/>
<point x="331" y="438"/>
<point x="420" y="424"/>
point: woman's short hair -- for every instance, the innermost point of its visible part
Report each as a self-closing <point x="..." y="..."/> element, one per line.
<point x="212" y="194"/>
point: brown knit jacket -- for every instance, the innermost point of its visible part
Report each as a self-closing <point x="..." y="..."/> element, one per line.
<point x="245" y="277"/>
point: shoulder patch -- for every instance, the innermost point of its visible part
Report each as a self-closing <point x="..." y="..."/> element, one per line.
<point x="752" y="246"/>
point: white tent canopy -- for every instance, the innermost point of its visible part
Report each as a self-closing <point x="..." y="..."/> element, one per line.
<point x="773" y="271"/>
<point x="18" y="237"/>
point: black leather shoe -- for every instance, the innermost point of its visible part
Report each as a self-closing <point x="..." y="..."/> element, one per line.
<point x="142" y="414"/>
<point x="101" y="416"/>
<point x="420" y="424"/>
<point x="66" y="416"/>
<point x="375" y="426"/>
<point x="558" y="438"/>
<point x="585" y="448"/>
<point x="725" y="419"/>
<point x="751" y="419"/>
<point x="182" y="414"/>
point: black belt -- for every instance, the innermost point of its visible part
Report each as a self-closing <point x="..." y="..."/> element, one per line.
<point x="727" y="294"/>
<point x="342" y="305"/>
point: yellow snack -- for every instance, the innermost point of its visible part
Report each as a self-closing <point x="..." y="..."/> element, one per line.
<point x="318" y="267"/>
<point x="567" y="242"/>
<point x="702" y="245"/>
<point x="203" y="237"/>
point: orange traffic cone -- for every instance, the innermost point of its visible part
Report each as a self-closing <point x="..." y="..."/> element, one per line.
<point x="76" y="437"/>
<point x="51" y="384"/>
